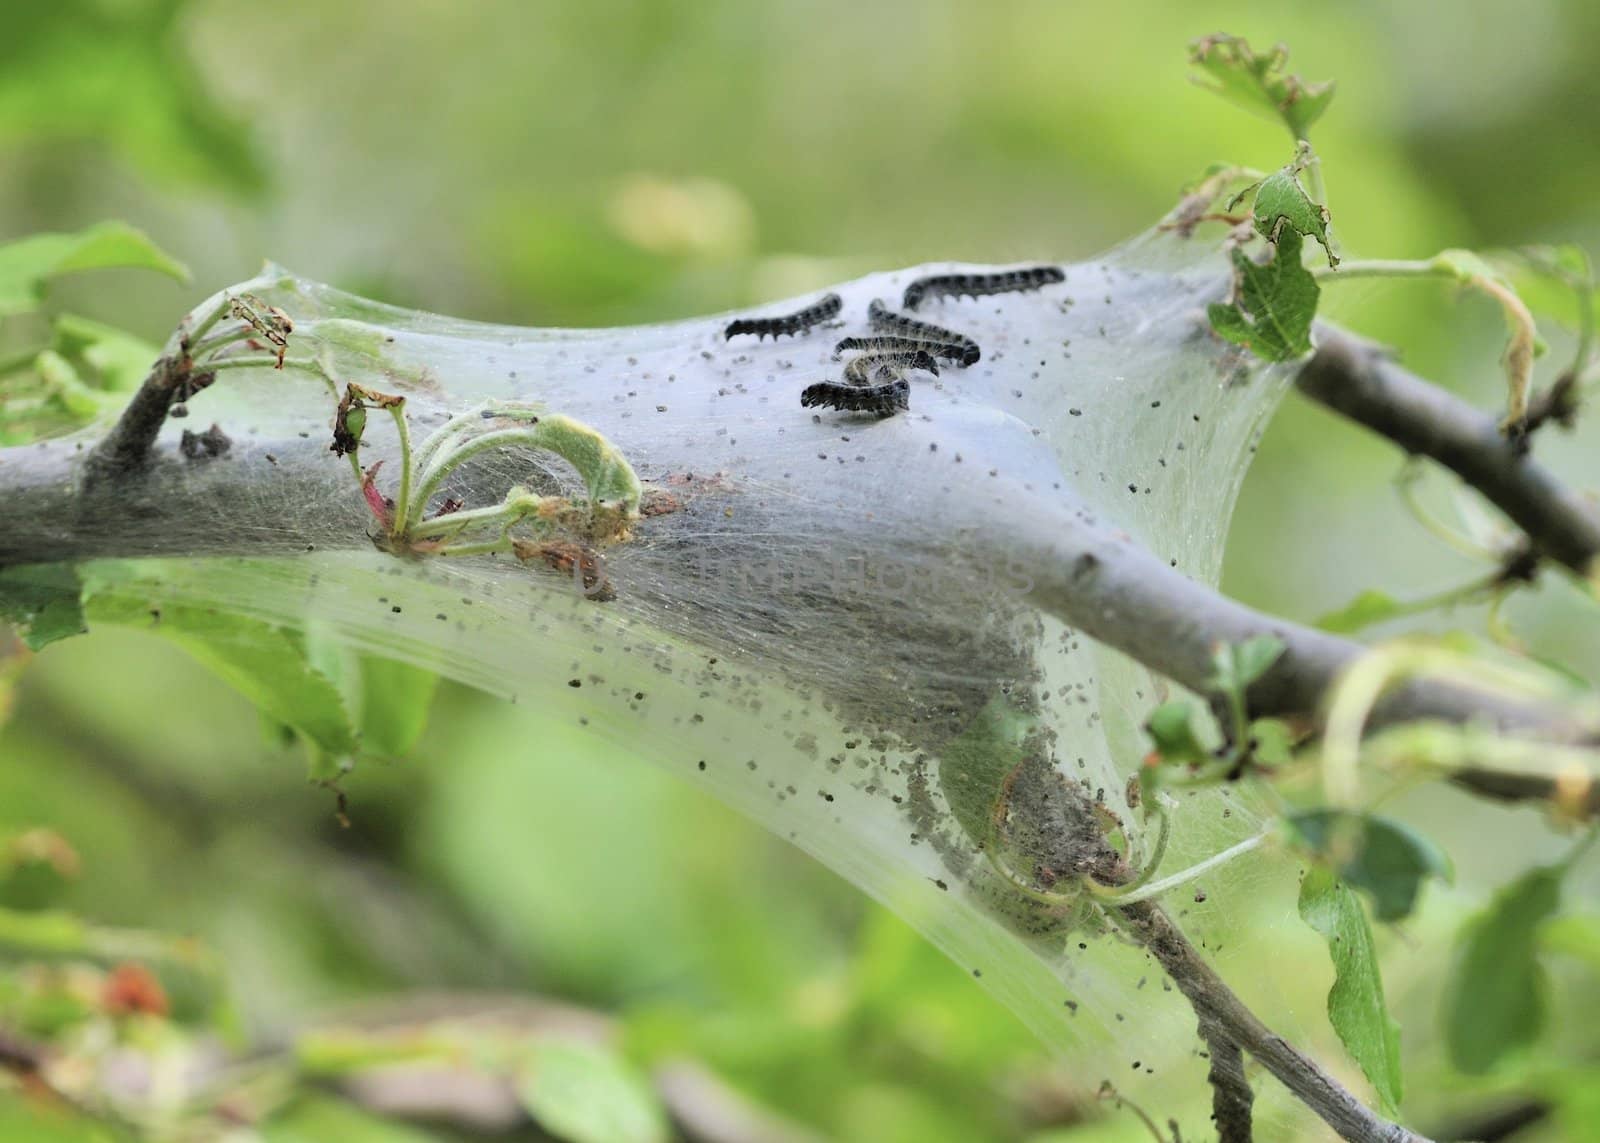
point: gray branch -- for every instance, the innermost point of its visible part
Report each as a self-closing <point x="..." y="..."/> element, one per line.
<point x="59" y="502"/>
<point x="1363" y="382"/>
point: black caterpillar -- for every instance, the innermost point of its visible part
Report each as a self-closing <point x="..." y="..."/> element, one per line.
<point x="948" y="350"/>
<point x="885" y="400"/>
<point x="860" y="369"/>
<point x="976" y="285"/>
<point x="885" y="319"/>
<point x="793" y="323"/>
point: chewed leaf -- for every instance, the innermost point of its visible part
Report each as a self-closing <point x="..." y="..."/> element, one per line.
<point x="1281" y="202"/>
<point x="1258" y="82"/>
<point x="26" y="266"/>
<point x="1496" y="993"/>
<point x="1275" y="303"/>
<point x="1356" y="1006"/>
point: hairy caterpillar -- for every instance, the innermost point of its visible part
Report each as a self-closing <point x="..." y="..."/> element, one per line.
<point x="797" y="322"/>
<point x="948" y="350"/>
<point x="885" y="319"/>
<point x="860" y="369"/>
<point x="976" y="285"/>
<point x="885" y="400"/>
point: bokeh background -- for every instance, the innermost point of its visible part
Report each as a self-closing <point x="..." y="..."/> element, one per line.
<point x="613" y="162"/>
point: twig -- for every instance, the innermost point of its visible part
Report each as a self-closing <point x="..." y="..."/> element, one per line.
<point x="1231" y="1097"/>
<point x="127" y="446"/>
<point x="1217" y="1007"/>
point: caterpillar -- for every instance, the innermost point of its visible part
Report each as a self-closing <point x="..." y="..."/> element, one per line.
<point x="885" y="319"/>
<point x="885" y="400"/>
<point x="948" y="350"/>
<point x="797" y="322"/>
<point x="860" y="369"/>
<point x="976" y="285"/>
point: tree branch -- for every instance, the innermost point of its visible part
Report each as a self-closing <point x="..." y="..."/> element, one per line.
<point x="1086" y="573"/>
<point x="1360" y="381"/>
<point x="1105" y="585"/>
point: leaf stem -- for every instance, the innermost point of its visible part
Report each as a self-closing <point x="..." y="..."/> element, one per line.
<point x="216" y="315"/>
<point x="1405" y="485"/>
<point x="1147" y="869"/>
<point x="402" y="503"/>
<point x="220" y="341"/>
<point x="453" y="524"/>
<point x="1470" y="270"/>
<point x="1149" y="889"/>
<point x="1382" y="268"/>
<point x="1313" y="169"/>
<point x="482" y="419"/>
<point x="300" y="364"/>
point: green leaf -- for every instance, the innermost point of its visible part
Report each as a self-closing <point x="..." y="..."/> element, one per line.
<point x="1274" y="304"/>
<point x="318" y="1119"/>
<point x="1281" y="203"/>
<point x="395" y="698"/>
<point x="26" y="266"/>
<point x="1370" y="607"/>
<point x="1273" y="742"/>
<point x="1236" y="665"/>
<point x="71" y="383"/>
<point x="265" y="663"/>
<point x="120" y="360"/>
<point x="62" y="382"/>
<point x="1573" y="1090"/>
<point x="1385" y="858"/>
<point x="1171" y="729"/>
<point x="40" y="1121"/>
<point x="1495" y="997"/>
<point x="43" y="602"/>
<point x="1355" y="1002"/>
<point x="388" y="699"/>
<point x="1575" y="935"/>
<point x="1258" y="83"/>
<point x="585" y="1094"/>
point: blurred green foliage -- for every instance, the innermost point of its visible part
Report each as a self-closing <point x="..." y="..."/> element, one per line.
<point x="572" y="163"/>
